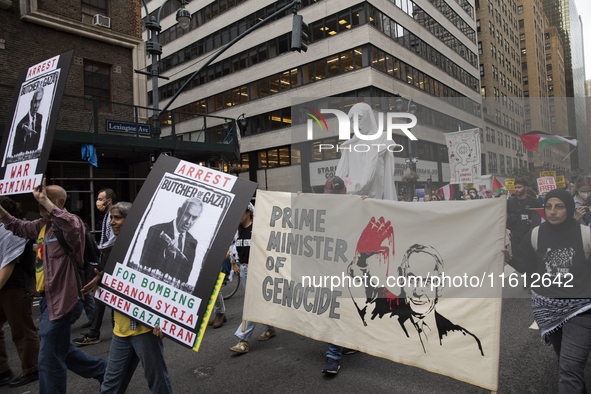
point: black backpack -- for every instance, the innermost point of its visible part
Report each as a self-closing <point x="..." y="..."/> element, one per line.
<point x="91" y="256"/>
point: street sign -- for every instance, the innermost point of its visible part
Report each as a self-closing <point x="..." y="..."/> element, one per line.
<point x="125" y="127"/>
<point x="547" y="173"/>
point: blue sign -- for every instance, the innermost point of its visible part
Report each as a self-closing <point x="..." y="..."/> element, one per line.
<point x="124" y="127"/>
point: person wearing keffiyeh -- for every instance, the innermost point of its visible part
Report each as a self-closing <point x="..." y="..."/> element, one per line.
<point x="561" y="297"/>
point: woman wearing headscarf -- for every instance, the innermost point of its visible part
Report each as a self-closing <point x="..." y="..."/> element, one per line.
<point x="554" y="256"/>
<point x="368" y="173"/>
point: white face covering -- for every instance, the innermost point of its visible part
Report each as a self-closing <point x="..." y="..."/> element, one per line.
<point x="585" y="195"/>
<point x="473" y="195"/>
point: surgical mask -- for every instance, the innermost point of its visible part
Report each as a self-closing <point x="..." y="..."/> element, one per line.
<point x="100" y="205"/>
<point x="473" y="195"/>
<point x="415" y="200"/>
<point x="585" y="195"/>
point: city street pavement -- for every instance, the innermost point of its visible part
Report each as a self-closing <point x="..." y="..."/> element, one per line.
<point x="291" y="363"/>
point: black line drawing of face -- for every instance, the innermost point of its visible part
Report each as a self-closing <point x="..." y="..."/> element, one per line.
<point x="422" y="262"/>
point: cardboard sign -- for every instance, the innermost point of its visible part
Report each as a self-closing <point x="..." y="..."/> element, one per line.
<point x="32" y="118"/>
<point x="167" y="258"/>
<point x="463" y="149"/>
<point x="560" y="183"/>
<point x="546" y="184"/>
<point x="510" y="184"/>
<point x="547" y="173"/>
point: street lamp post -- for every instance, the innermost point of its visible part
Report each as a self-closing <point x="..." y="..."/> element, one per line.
<point x="154" y="49"/>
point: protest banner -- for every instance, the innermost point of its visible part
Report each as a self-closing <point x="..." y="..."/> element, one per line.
<point x="546" y="184"/>
<point x="463" y="149"/>
<point x="325" y="266"/>
<point x="32" y="118"/>
<point x="167" y="258"/>
<point x="510" y="184"/>
<point x="547" y="173"/>
<point x="560" y="182"/>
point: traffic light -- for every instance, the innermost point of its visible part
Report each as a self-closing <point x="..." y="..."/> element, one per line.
<point x="298" y="34"/>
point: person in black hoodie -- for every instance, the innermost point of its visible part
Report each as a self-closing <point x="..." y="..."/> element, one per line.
<point x="558" y="271"/>
<point x="520" y="219"/>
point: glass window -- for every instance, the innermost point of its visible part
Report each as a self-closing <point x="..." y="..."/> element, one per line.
<point x="333" y="65"/>
<point x="308" y="73"/>
<point x="347" y="61"/>
<point x="274" y="83"/>
<point x="97" y="84"/>
<point x="320" y="68"/>
<point x="358" y="58"/>
<point x="285" y="77"/>
<point x="264" y="87"/>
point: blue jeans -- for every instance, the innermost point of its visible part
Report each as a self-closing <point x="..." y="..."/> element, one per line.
<point x="124" y="356"/>
<point x="77" y="311"/>
<point x="57" y="354"/>
<point x="572" y="344"/>
<point x="245" y="336"/>
<point x="335" y="352"/>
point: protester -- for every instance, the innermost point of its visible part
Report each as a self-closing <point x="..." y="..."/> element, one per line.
<point x="427" y="198"/>
<point x="582" y="198"/>
<point x="104" y="203"/>
<point x="57" y="282"/>
<point x="489" y="193"/>
<point x="520" y="215"/>
<point x="563" y="314"/>
<point x="16" y="301"/>
<point x="415" y="198"/>
<point x="132" y="341"/>
<point x="243" y="249"/>
<point x="473" y="193"/>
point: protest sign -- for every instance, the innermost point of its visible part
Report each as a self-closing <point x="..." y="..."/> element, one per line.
<point x="547" y="173"/>
<point x="560" y="183"/>
<point x="510" y="184"/>
<point x="325" y="266"/>
<point x="168" y="255"/>
<point x="463" y="149"/>
<point x="546" y="184"/>
<point x="32" y="118"/>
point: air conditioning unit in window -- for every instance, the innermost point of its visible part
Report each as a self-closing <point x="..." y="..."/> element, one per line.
<point x="101" y="20"/>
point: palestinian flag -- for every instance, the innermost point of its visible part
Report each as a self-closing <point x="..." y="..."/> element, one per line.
<point x="540" y="211"/>
<point x="497" y="185"/>
<point x="447" y="192"/>
<point x="536" y="141"/>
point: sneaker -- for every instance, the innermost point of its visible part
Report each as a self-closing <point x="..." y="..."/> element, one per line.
<point x="242" y="347"/>
<point x="6" y="377"/>
<point x="346" y="350"/>
<point x="86" y="340"/>
<point x="331" y="366"/>
<point x="268" y="334"/>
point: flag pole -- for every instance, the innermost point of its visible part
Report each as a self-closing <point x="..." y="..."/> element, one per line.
<point x="569" y="154"/>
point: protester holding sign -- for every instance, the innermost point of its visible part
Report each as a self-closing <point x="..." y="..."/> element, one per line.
<point x="582" y="198"/>
<point x="56" y="278"/>
<point x="132" y="342"/>
<point x="556" y="252"/>
<point x="243" y="247"/>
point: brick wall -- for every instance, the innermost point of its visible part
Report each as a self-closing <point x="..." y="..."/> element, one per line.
<point x="28" y="44"/>
<point x="125" y="14"/>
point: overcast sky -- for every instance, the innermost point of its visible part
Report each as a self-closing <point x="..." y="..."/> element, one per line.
<point x="584" y="10"/>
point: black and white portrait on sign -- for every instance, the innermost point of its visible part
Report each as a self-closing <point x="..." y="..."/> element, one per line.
<point x="171" y="242"/>
<point x="31" y="120"/>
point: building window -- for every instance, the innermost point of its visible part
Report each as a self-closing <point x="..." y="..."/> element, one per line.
<point x="548" y="67"/>
<point x="521" y="24"/>
<point x="480" y="48"/>
<point x="525" y="80"/>
<point x="553" y="119"/>
<point x="482" y="70"/>
<point x="483" y="91"/>
<point x="93" y="7"/>
<point x="502" y="162"/>
<point x="550" y="88"/>
<point x="478" y="25"/>
<point x="547" y="36"/>
<point x="524" y="66"/>
<point x="97" y="84"/>
<point x="519" y="10"/>
<point x="548" y="46"/>
<point x="528" y="124"/>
